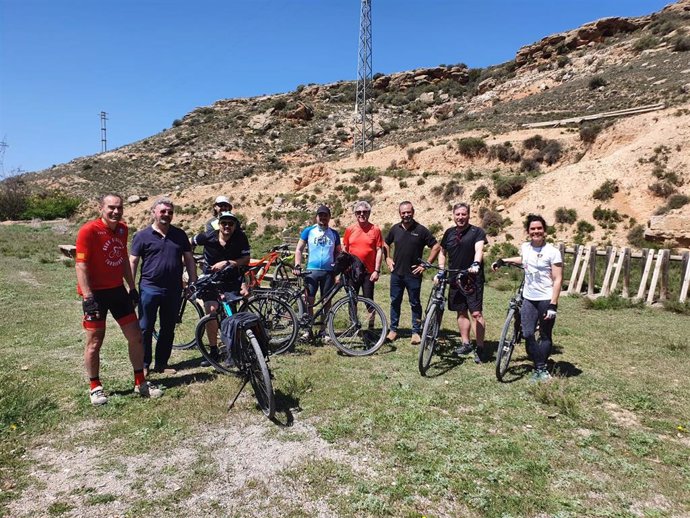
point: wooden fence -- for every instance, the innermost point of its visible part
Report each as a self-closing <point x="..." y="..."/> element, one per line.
<point x="618" y="271"/>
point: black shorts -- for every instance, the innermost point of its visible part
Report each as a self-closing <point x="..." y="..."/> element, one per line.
<point x="458" y="301"/>
<point x="319" y="279"/>
<point x="115" y="300"/>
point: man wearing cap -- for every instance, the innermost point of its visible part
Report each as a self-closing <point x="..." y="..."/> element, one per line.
<point x="364" y="240"/>
<point x="161" y="247"/>
<point x="323" y="243"/>
<point x="228" y="248"/>
<point x="222" y="204"/>
<point x="409" y="239"/>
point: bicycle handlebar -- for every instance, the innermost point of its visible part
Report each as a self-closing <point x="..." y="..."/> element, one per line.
<point x="428" y="265"/>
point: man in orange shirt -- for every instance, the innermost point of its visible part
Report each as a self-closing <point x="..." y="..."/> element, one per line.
<point x="364" y="240"/>
<point x="101" y="265"/>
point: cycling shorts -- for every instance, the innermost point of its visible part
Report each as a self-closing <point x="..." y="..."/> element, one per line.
<point x="321" y="280"/>
<point x="115" y="300"/>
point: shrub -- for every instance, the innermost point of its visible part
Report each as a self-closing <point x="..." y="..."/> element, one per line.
<point x="645" y="42"/>
<point x="565" y="216"/>
<point x="682" y="43"/>
<point x="534" y="142"/>
<point x="50" y="205"/>
<point x="492" y="222"/>
<point x="675" y="201"/>
<point x="366" y="174"/>
<point x="508" y="185"/>
<point x="636" y="236"/>
<point x="176" y="123"/>
<point x="607" y="218"/>
<point x="480" y="193"/>
<point x="662" y="189"/>
<point x="501" y="250"/>
<point x="589" y="132"/>
<point x="551" y="152"/>
<point x="611" y="302"/>
<point x="584" y="227"/>
<point x="452" y="190"/>
<point x="471" y="146"/>
<point x="597" y="82"/>
<point x="504" y="153"/>
<point x="528" y="165"/>
<point x="14" y="198"/>
<point x="606" y="190"/>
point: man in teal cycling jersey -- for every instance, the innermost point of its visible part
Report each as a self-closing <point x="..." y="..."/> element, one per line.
<point x="323" y="244"/>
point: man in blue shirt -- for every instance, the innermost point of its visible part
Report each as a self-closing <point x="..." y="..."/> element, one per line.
<point x="323" y="244"/>
<point x="162" y="249"/>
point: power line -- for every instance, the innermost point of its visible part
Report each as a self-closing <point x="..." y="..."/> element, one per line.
<point x="364" y="118"/>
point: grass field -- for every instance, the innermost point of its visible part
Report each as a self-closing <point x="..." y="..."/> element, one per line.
<point x="609" y="436"/>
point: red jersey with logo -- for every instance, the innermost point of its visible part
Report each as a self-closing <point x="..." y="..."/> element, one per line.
<point x="104" y="251"/>
<point x="363" y="242"/>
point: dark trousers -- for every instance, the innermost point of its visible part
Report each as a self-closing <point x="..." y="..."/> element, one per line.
<point x="366" y="287"/>
<point x="533" y="311"/>
<point x="165" y="306"/>
<point x="413" y="285"/>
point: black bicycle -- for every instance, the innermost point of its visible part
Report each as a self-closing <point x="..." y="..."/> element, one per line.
<point x="433" y="316"/>
<point x="511" y="335"/>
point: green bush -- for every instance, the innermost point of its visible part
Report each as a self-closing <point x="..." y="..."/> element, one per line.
<point x="636" y="236"/>
<point x="584" y="227"/>
<point x="508" y="185"/>
<point x="662" y="189"/>
<point x="681" y="43"/>
<point x="471" y="146"/>
<point x="14" y="198"/>
<point x="645" y="42"/>
<point x="480" y="193"/>
<point x="534" y="142"/>
<point x="589" y="132"/>
<point x="565" y="216"/>
<point x="597" y="82"/>
<point x="606" y="190"/>
<point x="607" y="218"/>
<point x="676" y="201"/>
<point x="50" y="205"/>
<point x="504" y="153"/>
<point x="492" y="222"/>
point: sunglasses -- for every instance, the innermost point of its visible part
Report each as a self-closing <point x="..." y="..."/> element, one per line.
<point x="226" y="223"/>
<point x="361" y="212"/>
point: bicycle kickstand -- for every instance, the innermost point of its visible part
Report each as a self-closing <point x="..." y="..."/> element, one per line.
<point x="244" y="384"/>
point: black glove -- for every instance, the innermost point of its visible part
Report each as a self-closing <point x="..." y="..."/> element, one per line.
<point x="91" y="309"/>
<point x="134" y="296"/>
<point x="497" y="264"/>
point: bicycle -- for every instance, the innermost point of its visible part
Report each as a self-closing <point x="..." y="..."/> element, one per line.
<point x="258" y="270"/>
<point x="511" y="333"/>
<point x="433" y="317"/>
<point x="356" y="325"/>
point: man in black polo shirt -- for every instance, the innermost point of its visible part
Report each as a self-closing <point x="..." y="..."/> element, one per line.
<point x="227" y="246"/>
<point x="409" y="239"/>
<point x="463" y="245"/>
<point x="161" y="247"/>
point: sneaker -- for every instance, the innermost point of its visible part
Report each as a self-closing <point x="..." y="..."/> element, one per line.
<point x="164" y="370"/>
<point x="147" y="389"/>
<point x="415" y="339"/>
<point x="214" y="354"/>
<point x="97" y="396"/>
<point x="540" y="375"/>
<point x="324" y="337"/>
<point x="463" y="349"/>
<point x="391" y="336"/>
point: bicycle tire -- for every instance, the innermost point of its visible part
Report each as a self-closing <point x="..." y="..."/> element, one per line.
<point x="185" y="326"/>
<point x="259" y="375"/>
<point x="279" y="320"/>
<point x="348" y="327"/>
<point x="202" y="344"/>
<point x="506" y="344"/>
<point x="432" y="325"/>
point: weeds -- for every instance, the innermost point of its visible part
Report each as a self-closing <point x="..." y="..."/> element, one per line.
<point x="606" y="190"/>
<point x="611" y="302"/>
<point x="557" y="393"/>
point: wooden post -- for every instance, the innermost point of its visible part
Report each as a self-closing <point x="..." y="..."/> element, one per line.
<point x="685" y="279"/>
<point x="572" y="284"/>
<point x="655" y="276"/>
<point x="583" y="270"/>
<point x="625" y="293"/>
<point x="663" y="286"/>
<point x="619" y="267"/>
<point x="611" y="256"/>
<point x="645" y="273"/>
<point x="592" y="270"/>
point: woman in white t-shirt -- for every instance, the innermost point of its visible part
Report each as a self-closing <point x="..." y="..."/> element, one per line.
<point x="543" y="267"/>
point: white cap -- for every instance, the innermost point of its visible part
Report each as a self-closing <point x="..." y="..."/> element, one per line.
<point x="222" y="199"/>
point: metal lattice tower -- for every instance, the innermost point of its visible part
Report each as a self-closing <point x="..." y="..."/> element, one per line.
<point x="104" y="140"/>
<point x="3" y="146"/>
<point x="364" y="119"/>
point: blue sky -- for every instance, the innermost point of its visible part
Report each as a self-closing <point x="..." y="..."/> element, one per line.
<point x="149" y="62"/>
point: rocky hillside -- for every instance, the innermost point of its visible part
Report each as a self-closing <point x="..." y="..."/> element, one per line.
<point x="444" y="134"/>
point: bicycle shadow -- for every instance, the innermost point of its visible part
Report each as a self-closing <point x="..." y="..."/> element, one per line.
<point x="446" y="362"/>
<point x="285" y="405"/>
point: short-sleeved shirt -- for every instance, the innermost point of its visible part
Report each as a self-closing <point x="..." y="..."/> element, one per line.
<point x="104" y="251"/>
<point x="161" y="258"/>
<point x="214" y="252"/>
<point x="537" y="262"/>
<point x="409" y="246"/>
<point x="322" y="243"/>
<point x="459" y="245"/>
<point x="363" y="241"/>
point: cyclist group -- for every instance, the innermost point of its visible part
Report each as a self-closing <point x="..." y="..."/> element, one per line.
<point x="102" y="263"/>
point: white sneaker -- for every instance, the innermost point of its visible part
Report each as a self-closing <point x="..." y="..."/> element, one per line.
<point x="147" y="389"/>
<point x="97" y="396"/>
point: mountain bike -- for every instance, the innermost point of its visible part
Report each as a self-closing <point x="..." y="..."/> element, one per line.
<point x="433" y="317"/>
<point x="511" y="335"/>
<point x="259" y="269"/>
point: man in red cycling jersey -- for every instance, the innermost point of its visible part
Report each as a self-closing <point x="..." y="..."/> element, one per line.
<point x="101" y="265"/>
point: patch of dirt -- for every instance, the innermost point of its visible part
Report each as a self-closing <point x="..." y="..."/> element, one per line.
<point x="622" y="416"/>
<point x="28" y="278"/>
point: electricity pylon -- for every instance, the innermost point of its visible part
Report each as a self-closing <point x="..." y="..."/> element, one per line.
<point x="364" y="119"/>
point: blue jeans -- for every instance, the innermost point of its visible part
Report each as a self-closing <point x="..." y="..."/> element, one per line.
<point x="533" y="311"/>
<point x="153" y="303"/>
<point x="413" y="285"/>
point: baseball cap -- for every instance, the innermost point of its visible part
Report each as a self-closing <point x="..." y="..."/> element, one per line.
<point x="222" y="199"/>
<point x="323" y="209"/>
<point x="227" y="215"/>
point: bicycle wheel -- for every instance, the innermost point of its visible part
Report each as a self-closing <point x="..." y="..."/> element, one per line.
<point x="357" y="326"/>
<point x="278" y="318"/>
<point x="506" y="344"/>
<point x="185" y="327"/>
<point x="259" y="375"/>
<point x="432" y="325"/>
<point x="202" y="343"/>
